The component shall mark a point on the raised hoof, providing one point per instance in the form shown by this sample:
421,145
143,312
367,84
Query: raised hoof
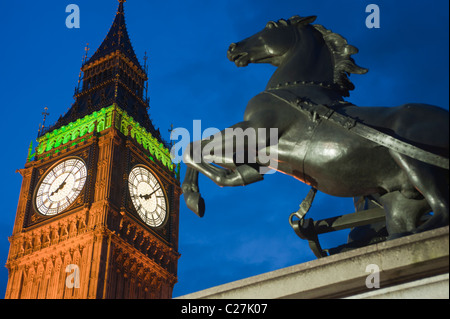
195,203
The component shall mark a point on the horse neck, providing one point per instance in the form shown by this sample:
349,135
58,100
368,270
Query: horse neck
306,65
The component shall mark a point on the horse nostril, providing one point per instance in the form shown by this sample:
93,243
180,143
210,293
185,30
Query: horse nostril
232,47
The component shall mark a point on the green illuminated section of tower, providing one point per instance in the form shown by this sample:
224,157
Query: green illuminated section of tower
72,133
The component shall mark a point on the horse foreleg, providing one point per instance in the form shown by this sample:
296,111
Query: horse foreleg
191,192
214,150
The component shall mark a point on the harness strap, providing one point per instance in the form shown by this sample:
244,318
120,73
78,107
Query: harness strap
367,132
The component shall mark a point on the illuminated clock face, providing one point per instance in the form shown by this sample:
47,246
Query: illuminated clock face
60,186
148,196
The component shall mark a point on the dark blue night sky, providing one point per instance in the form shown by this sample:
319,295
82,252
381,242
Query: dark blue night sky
245,230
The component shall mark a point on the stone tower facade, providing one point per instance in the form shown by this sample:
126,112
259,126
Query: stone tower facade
98,210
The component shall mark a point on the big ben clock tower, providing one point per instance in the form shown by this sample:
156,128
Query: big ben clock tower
98,209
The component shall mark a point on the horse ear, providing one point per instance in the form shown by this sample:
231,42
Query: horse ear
310,19
303,20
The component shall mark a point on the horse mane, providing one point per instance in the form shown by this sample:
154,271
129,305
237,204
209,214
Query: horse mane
343,63
341,52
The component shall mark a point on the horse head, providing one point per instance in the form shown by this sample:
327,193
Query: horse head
270,45
302,52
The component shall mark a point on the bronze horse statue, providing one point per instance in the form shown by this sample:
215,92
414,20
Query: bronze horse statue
409,176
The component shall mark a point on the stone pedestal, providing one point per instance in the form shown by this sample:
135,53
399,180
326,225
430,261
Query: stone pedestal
415,266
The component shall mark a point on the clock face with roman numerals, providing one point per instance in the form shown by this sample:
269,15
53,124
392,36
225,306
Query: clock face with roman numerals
60,186
147,196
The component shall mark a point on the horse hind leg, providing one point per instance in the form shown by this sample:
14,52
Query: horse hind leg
432,183
403,214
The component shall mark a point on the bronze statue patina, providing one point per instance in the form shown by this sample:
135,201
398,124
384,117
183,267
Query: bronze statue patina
397,156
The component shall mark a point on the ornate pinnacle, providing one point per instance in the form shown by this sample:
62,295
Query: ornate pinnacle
120,9
45,113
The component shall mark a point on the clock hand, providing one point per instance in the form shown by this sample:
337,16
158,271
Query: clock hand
148,196
144,196
64,182
59,188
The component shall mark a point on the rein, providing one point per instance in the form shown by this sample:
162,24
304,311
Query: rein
320,111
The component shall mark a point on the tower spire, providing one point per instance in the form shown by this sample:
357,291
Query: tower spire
116,39
113,75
